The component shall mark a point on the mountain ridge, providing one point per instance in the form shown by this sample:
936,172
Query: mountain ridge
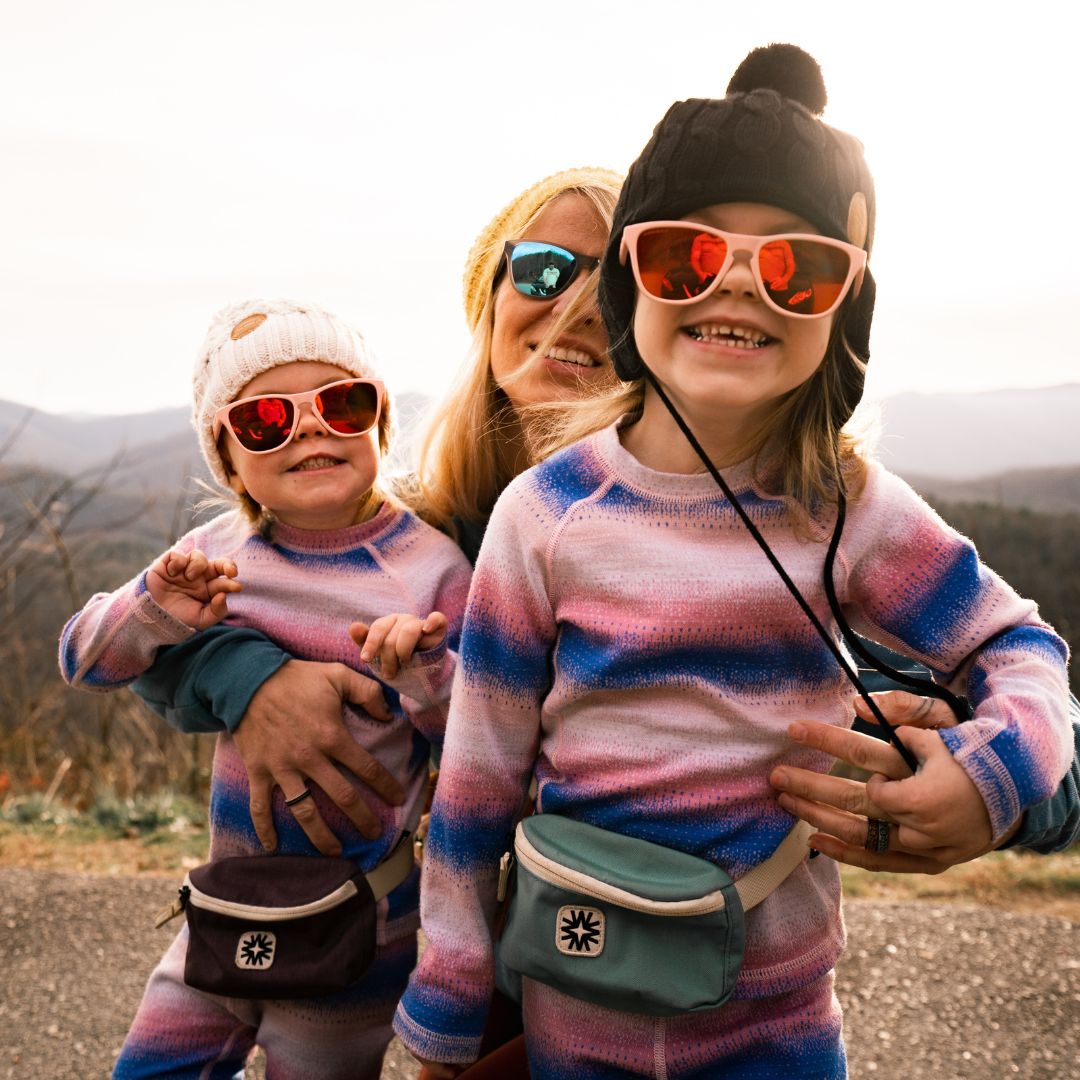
1013,447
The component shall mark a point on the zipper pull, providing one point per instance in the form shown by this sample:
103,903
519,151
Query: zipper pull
174,909
506,864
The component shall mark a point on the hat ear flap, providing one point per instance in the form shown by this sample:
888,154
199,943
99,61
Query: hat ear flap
617,294
857,319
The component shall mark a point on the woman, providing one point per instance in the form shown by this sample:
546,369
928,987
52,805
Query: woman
528,348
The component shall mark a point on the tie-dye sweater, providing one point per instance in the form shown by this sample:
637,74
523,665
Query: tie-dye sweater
628,642
303,590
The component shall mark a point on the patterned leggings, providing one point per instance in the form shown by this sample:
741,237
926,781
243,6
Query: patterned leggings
794,1036
183,1034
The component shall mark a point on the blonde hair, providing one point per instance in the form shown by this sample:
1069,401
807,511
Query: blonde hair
472,445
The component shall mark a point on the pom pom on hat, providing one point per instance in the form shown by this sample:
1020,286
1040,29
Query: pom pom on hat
252,336
787,69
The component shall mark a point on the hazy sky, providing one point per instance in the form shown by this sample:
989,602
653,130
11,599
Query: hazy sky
158,161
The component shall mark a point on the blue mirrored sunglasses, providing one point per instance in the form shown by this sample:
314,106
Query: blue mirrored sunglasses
542,271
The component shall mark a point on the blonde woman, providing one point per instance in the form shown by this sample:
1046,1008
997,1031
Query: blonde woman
528,347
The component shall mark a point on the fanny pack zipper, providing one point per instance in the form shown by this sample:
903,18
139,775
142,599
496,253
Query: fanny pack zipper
555,873
254,913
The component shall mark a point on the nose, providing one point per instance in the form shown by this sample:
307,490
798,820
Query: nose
306,424
739,280
588,315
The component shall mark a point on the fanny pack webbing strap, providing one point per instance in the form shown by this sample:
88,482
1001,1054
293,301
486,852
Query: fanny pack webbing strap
392,871
754,886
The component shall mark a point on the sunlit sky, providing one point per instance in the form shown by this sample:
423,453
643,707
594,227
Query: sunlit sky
158,161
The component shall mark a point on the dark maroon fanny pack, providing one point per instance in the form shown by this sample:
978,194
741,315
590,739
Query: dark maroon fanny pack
283,926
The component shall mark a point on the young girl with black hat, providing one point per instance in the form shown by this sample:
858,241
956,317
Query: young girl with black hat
643,627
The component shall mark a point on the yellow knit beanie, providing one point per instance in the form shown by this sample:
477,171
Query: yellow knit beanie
486,254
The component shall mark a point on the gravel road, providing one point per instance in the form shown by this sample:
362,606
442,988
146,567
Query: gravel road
948,993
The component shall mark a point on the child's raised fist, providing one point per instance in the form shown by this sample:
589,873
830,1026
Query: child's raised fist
192,587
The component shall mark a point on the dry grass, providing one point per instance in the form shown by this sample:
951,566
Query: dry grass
87,850
1008,880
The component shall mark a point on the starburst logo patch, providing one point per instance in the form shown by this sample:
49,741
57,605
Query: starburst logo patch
255,950
579,931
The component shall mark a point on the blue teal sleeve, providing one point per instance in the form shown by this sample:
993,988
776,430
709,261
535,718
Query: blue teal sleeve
205,684
1054,824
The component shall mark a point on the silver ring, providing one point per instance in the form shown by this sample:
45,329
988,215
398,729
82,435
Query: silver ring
924,708
305,794
877,836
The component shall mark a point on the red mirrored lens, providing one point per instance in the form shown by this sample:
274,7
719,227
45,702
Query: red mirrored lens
803,276
678,264
262,424
349,408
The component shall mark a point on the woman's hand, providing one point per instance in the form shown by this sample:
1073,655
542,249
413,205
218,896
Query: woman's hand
293,732
936,818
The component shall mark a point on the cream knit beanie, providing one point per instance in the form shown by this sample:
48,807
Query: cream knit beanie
252,336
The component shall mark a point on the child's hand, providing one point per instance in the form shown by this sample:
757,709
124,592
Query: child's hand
193,588
390,642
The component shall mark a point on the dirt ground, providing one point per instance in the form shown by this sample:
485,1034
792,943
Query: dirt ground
931,991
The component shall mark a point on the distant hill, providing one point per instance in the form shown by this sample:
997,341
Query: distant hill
1048,491
1016,448
964,436
152,450
73,443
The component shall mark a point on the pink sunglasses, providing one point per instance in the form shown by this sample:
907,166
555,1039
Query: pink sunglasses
797,274
266,422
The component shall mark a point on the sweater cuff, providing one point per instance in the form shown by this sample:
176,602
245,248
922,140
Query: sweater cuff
432,1046
989,775
166,627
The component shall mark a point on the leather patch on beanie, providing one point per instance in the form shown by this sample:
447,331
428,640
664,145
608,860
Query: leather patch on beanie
857,220
246,325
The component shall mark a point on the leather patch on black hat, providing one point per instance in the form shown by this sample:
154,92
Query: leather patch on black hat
246,325
857,220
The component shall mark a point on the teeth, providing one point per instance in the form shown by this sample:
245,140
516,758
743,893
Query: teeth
739,337
571,356
315,463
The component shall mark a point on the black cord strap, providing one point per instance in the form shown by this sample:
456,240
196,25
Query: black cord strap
960,706
826,637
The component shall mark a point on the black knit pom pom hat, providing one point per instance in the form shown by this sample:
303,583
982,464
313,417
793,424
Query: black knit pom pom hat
763,143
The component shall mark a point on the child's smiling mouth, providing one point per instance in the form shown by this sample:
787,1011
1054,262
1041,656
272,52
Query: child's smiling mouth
323,461
736,337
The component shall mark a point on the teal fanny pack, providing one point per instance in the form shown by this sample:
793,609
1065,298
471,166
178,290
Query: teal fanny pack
626,923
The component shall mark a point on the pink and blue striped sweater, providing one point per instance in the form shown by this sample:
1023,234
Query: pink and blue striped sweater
303,590
628,642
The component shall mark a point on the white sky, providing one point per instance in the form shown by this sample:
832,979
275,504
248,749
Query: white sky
158,160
